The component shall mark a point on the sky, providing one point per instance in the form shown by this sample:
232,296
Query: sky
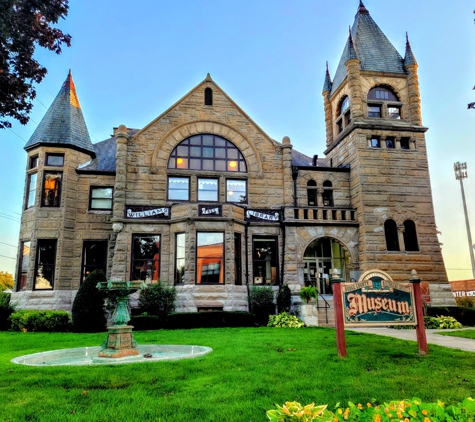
130,64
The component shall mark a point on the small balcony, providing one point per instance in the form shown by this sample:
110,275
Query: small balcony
321,215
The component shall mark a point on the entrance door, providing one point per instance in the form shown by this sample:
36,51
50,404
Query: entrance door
321,257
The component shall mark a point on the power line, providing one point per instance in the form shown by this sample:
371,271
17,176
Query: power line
9,218
16,134
9,257
13,212
8,244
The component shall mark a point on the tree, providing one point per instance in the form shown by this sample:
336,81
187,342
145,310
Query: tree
6,280
24,24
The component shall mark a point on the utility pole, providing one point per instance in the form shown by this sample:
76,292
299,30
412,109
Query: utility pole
460,174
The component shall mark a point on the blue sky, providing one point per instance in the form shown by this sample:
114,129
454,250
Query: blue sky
130,64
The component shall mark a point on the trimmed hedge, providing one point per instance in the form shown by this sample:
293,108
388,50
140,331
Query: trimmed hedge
6,309
145,322
212,319
41,321
466,316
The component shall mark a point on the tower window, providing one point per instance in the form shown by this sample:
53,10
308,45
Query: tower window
390,232
390,142
374,111
208,96
55,160
382,93
404,143
410,236
52,190
375,143
394,112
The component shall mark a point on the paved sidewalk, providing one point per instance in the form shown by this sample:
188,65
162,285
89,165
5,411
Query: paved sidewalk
432,337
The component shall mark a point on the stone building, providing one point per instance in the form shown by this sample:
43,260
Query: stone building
203,199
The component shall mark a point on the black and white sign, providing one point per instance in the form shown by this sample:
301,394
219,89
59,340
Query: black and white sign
151,213
210,210
263,215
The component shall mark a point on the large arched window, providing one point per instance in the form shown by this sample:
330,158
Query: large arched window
390,231
379,103
344,114
207,152
410,236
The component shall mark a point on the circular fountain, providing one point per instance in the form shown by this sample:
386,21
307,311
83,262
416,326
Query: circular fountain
119,346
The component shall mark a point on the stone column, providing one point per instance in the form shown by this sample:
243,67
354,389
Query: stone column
119,267
400,234
328,117
354,85
414,95
287,172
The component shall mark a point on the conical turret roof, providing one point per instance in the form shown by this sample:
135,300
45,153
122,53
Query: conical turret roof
372,47
327,85
63,124
409,57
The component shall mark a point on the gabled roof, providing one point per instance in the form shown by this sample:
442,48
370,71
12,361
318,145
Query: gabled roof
372,48
63,124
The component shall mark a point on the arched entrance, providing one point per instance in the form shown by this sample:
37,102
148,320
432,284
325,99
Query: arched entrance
321,256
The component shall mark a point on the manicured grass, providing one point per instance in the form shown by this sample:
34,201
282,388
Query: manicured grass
249,371
461,333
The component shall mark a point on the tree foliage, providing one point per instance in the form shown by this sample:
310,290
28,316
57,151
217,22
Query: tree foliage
24,24
6,280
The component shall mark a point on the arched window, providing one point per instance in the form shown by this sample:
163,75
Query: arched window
207,152
344,113
327,194
410,236
208,96
312,192
390,231
380,95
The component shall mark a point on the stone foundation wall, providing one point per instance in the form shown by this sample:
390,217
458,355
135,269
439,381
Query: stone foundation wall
44,300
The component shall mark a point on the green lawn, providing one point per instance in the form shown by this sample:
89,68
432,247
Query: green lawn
461,333
249,371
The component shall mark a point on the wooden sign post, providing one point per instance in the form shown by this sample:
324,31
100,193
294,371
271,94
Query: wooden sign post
339,324
420,327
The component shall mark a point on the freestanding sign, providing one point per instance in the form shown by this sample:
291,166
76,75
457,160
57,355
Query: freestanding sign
376,300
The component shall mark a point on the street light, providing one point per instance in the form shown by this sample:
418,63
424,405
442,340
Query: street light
460,174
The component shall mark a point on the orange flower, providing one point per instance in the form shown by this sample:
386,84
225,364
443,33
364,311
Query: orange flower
426,420
360,406
368,404
424,412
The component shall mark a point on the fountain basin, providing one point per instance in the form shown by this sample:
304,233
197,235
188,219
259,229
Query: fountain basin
89,355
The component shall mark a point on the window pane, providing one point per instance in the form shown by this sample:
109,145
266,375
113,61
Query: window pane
195,152
220,153
374,111
232,153
46,258
52,190
94,257
181,163
236,190
208,165
31,190
210,257
101,193
220,142
207,189
394,112
220,165
264,258
101,204
54,160
146,258
195,140
178,188
208,152
182,150
208,140
180,258
375,143
24,265
195,164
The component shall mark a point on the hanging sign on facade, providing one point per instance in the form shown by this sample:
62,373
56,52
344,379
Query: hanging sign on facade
377,300
210,210
263,215
147,212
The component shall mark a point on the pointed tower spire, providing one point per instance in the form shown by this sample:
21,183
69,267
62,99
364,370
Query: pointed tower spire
351,48
409,56
327,85
362,10
63,124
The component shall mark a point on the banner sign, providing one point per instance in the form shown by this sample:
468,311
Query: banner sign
210,210
144,212
378,301
263,215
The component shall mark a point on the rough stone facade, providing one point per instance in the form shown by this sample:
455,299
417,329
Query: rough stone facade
299,218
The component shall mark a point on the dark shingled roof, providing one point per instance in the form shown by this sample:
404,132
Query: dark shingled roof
327,85
63,123
409,56
372,47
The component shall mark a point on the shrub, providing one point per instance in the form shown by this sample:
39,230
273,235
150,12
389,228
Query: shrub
40,321
158,300
212,319
465,302
414,410
284,320
6,309
309,292
145,322
261,301
466,316
284,299
442,322
88,314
